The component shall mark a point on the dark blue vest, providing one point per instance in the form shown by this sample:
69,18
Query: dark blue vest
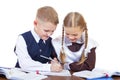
35,50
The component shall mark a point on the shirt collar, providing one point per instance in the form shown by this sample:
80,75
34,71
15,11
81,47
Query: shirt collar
35,35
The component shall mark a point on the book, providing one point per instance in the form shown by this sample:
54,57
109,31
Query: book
102,78
96,74
62,73
18,74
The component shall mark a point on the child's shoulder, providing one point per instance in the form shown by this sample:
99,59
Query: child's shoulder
57,39
92,42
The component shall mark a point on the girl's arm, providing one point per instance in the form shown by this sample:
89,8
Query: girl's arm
89,64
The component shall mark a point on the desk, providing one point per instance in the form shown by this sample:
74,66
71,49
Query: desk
61,78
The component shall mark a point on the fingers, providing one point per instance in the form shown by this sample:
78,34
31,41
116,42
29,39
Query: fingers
54,60
56,67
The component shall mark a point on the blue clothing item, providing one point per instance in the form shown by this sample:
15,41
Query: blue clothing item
36,49
102,78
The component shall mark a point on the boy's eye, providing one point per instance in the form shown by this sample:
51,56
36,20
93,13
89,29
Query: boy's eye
46,30
67,34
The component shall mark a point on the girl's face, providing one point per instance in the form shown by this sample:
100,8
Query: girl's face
73,33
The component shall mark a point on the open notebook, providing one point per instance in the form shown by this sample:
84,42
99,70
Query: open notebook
18,74
62,73
96,74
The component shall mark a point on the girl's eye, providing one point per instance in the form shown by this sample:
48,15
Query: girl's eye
74,34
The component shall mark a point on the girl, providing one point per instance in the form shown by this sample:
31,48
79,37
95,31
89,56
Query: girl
74,49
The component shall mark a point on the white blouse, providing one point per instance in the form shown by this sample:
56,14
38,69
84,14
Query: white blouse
72,56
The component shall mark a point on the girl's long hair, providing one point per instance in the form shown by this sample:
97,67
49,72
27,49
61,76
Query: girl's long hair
74,19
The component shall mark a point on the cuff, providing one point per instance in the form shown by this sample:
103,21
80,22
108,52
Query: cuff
66,66
47,67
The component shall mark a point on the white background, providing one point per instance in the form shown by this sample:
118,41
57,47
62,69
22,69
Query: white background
102,17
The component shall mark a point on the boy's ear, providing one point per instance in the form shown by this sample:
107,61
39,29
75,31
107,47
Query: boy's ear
35,22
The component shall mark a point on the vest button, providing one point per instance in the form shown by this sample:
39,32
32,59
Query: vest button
40,50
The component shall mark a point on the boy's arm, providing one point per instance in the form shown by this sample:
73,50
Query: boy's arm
24,59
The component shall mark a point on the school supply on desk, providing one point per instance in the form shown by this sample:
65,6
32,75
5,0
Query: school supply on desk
96,74
89,74
18,74
46,58
103,78
62,73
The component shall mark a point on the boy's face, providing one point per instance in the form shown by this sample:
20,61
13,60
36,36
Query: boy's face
45,29
73,33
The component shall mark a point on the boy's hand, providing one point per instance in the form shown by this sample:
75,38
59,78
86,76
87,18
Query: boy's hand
56,66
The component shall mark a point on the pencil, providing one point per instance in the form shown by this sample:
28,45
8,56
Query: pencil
46,57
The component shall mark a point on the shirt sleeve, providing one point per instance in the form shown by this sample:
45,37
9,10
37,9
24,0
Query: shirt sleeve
24,59
89,64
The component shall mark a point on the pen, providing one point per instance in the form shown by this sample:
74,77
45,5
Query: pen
106,75
46,57
37,72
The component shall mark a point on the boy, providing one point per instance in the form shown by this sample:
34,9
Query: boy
32,44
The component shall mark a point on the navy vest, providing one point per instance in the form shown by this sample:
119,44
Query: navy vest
35,50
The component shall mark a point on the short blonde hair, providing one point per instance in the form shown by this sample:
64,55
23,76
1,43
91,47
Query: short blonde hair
48,14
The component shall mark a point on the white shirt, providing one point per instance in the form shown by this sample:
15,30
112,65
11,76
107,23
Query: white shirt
25,61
